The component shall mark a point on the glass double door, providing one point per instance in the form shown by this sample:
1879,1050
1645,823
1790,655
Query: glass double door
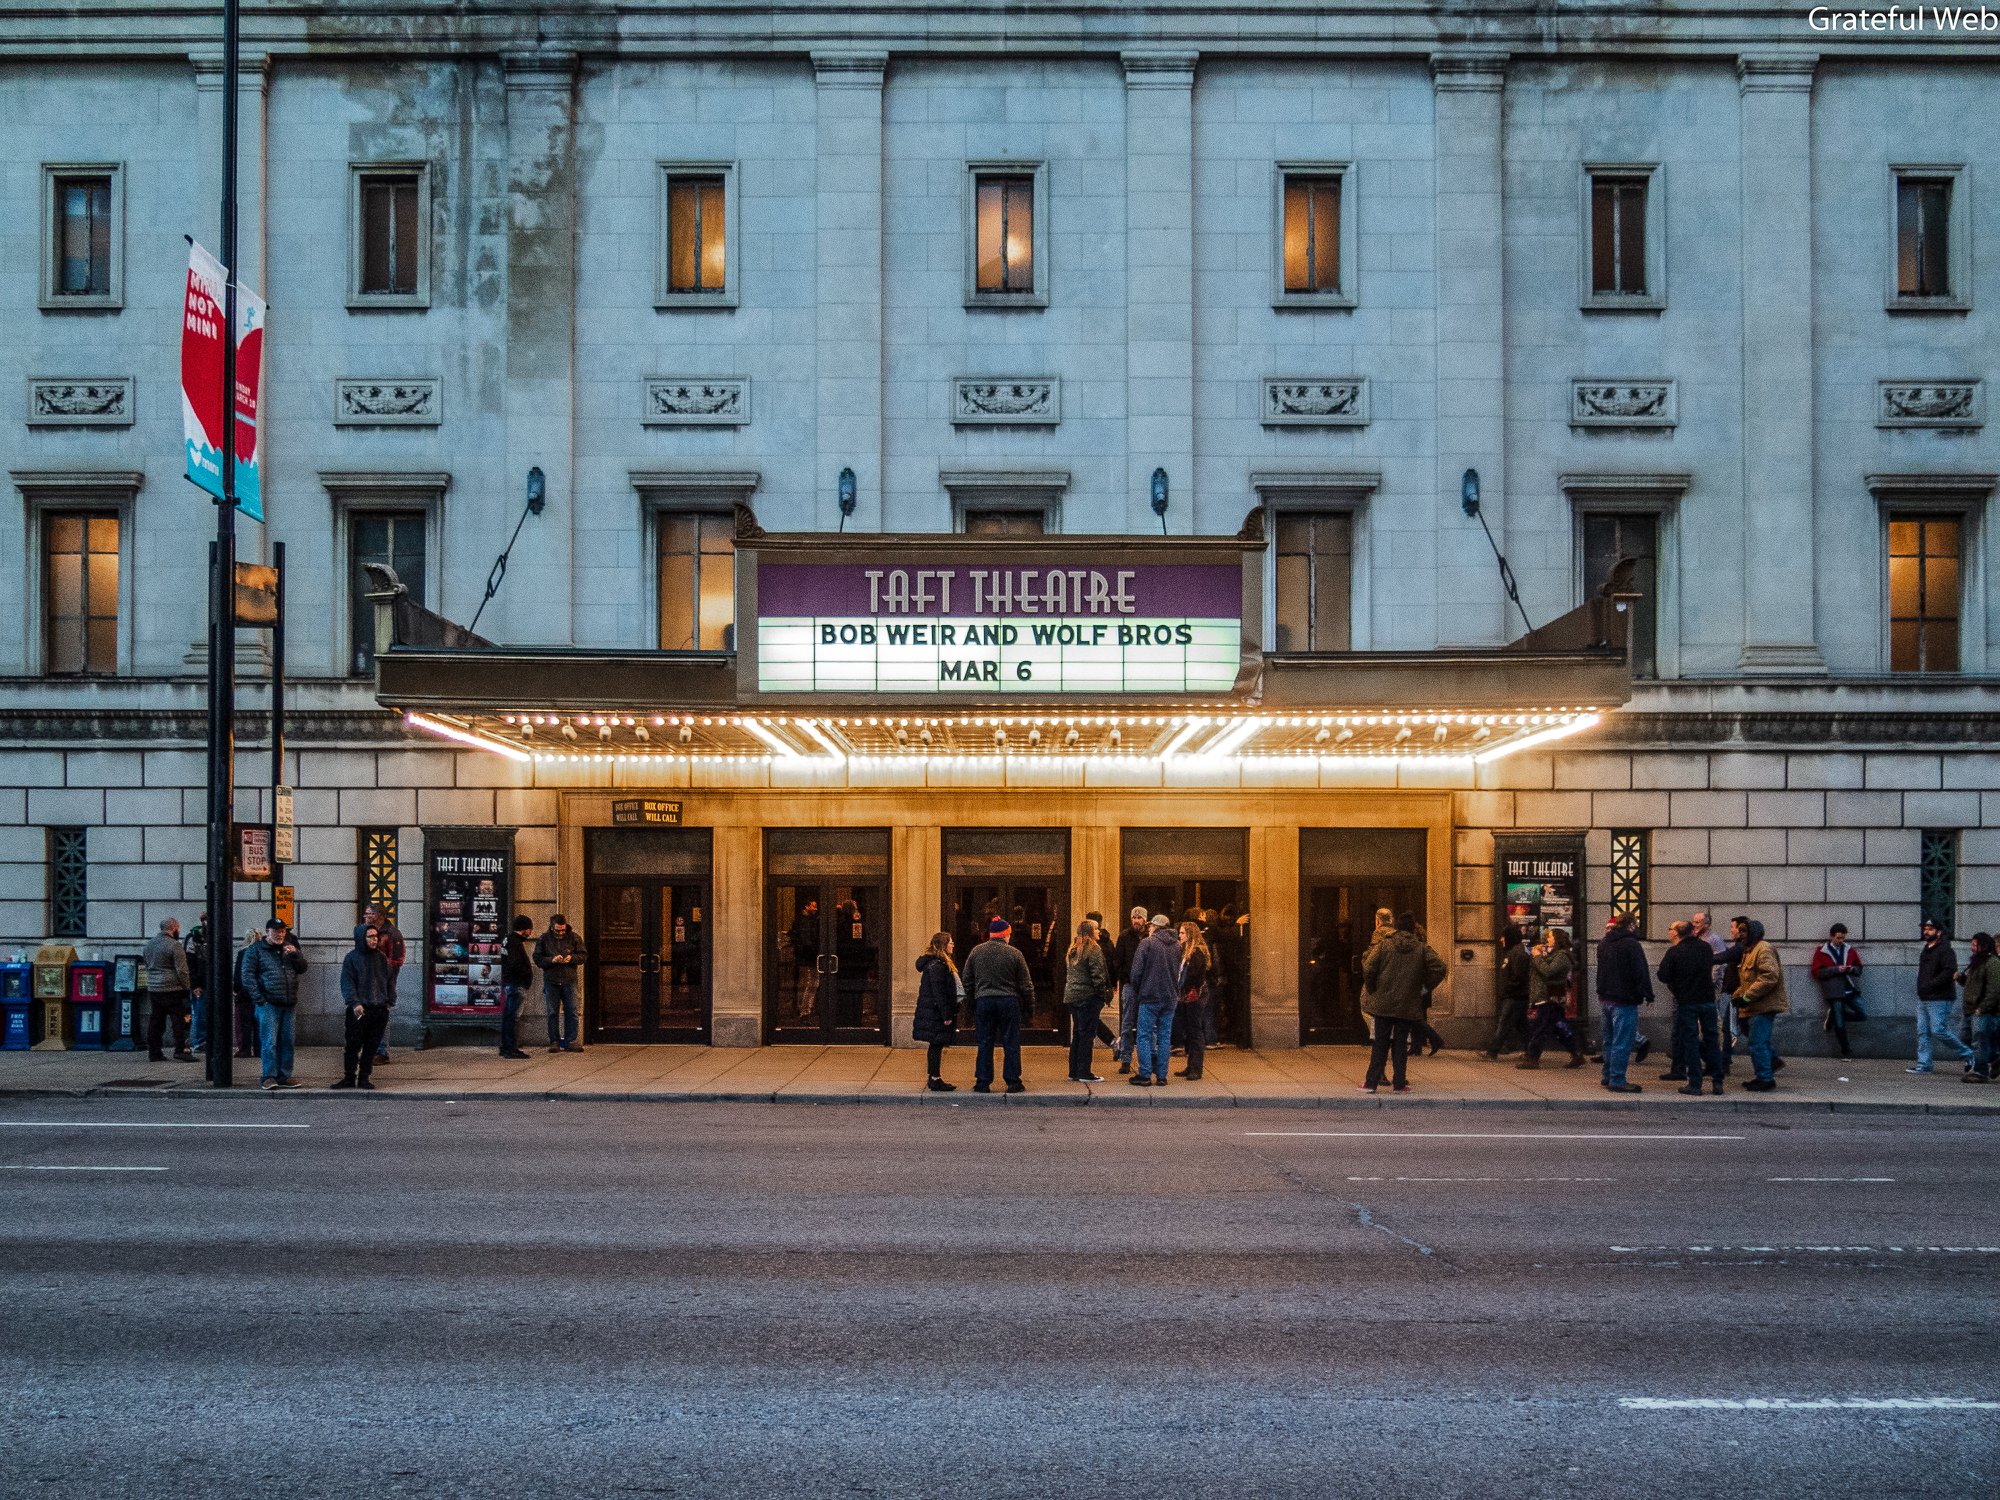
648,964
1345,877
825,946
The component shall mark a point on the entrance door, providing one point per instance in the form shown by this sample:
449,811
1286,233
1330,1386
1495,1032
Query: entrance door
826,935
1023,876
1345,876
1198,875
646,924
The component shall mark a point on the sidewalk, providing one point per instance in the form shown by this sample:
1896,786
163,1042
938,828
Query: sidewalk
1310,1077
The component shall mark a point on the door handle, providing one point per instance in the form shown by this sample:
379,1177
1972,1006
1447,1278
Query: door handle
827,963
649,963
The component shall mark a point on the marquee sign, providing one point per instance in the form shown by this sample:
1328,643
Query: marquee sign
1050,625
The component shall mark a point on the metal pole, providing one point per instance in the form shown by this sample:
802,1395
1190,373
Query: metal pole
277,706
222,623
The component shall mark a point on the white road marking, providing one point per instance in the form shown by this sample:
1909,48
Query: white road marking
1829,1179
12,1168
1482,1179
140,1125
1804,1249
1451,1135
1819,1403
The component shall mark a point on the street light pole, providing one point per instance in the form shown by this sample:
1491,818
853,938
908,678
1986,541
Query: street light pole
222,614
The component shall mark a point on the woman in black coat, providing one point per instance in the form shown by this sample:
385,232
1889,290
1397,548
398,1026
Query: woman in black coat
938,997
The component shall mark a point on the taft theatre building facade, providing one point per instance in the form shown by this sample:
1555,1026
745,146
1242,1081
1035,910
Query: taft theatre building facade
1017,463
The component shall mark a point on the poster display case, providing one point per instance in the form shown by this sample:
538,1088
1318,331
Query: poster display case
1539,887
468,906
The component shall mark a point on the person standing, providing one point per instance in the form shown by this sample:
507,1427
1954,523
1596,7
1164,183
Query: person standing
1512,1014
517,976
559,954
196,944
1549,969
1197,997
1086,989
1110,951
167,984
1156,967
1401,972
271,970
996,977
1835,963
1688,972
1760,999
1624,983
1126,950
939,996
390,942
1936,964
247,1029
364,995
1982,1006
1725,986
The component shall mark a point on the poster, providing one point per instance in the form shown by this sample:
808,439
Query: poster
465,929
1541,891
201,381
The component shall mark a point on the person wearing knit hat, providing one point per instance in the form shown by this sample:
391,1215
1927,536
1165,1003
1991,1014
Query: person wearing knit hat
998,984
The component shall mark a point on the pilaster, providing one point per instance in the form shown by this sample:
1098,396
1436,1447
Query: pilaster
1159,272
848,276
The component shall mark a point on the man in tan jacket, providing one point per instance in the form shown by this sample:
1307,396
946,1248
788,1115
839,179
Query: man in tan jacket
1760,1000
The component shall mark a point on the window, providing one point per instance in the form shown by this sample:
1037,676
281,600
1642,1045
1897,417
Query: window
79,593
1924,593
697,251
375,877
1315,579
82,264
1315,240
1008,238
697,582
391,254
1937,876
1628,873
1004,523
68,882
1607,540
392,538
1622,240
1930,239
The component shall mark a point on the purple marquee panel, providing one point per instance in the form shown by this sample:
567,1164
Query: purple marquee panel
1207,591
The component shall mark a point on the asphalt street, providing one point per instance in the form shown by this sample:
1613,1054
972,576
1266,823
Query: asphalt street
333,1296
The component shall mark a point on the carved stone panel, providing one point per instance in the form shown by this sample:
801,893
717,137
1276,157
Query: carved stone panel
1006,400
408,402
696,401
86,401
1930,403
1623,403
1322,401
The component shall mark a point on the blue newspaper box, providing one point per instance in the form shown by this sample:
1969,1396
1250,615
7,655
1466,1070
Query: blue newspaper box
121,1016
17,1007
89,998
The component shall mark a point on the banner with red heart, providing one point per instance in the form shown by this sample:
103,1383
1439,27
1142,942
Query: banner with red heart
201,382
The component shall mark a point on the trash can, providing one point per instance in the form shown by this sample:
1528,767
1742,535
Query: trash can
17,1006
51,981
89,998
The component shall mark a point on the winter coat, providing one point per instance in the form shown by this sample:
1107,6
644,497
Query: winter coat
1935,967
559,955
1126,949
1548,976
997,968
1156,969
1088,980
937,1000
1194,979
517,968
271,974
1982,986
364,977
166,964
1761,989
1623,976
1514,975
1688,972
1400,971
1827,970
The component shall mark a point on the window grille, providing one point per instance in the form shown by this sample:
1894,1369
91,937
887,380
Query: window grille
377,875
1628,873
69,882
1937,874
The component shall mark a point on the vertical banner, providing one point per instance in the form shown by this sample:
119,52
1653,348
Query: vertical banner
201,382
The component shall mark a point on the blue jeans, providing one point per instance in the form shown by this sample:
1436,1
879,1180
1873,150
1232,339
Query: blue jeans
510,1018
1763,1051
198,1028
560,998
1156,1039
1985,1042
1621,1029
1934,1020
1695,1049
274,1040
1725,1023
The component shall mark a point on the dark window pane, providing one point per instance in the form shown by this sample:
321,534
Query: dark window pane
391,539
1936,200
1602,237
1618,235
1632,238
391,237
678,590
83,236
1314,583
1608,540
405,236
1332,578
1003,523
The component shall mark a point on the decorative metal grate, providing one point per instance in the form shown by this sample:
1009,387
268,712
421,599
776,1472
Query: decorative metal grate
69,883
1937,873
1628,873
377,874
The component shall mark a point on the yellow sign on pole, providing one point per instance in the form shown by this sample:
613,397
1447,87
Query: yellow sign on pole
283,907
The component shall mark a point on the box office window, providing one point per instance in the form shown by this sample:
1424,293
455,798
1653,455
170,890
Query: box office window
697,570
79,593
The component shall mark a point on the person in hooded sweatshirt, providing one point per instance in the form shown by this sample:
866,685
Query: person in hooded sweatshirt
939,995
1688,972
1401,971
1760,1000
1155,981
365,996
1624,983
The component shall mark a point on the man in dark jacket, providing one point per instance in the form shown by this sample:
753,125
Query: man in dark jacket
364,997
1127,949
1936,964
1624,983
1398,978
998,984
1156,994
1688,972
1512,1015
167,982
517,973
559,954
271,971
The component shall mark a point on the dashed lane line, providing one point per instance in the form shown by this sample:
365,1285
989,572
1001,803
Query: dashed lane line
1472,1135
8,1167
1804,1249
1829,1179
144,1125
1482,1179
1816,1403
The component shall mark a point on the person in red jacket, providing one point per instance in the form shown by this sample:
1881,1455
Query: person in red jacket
1836,969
